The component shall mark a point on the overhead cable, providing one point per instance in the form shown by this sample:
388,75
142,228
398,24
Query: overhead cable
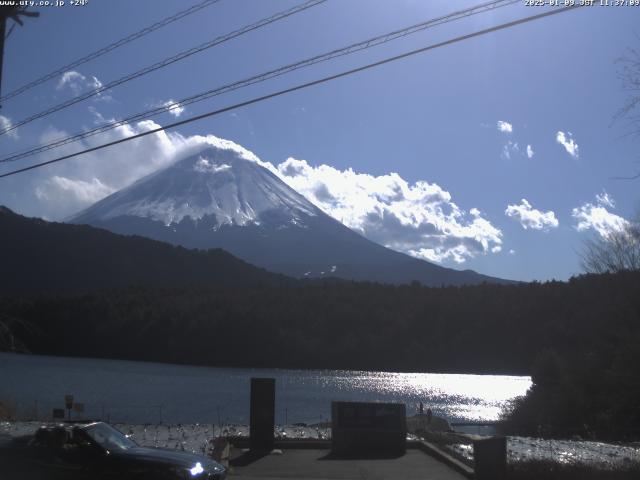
112,46
353,48
163,63
458,39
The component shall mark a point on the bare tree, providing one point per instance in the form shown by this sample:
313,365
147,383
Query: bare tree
629,74
617,251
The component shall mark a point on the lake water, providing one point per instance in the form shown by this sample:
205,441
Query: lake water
143,392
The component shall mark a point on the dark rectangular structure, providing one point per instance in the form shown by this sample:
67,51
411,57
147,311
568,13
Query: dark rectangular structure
368,429
262,414
490,458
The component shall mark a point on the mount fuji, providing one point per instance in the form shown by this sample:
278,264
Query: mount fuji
218,198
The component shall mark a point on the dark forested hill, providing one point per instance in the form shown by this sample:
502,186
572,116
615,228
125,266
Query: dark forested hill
39,256
487,328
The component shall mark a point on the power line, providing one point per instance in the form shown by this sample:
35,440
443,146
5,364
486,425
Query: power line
123,41
356,47
168,61
458,39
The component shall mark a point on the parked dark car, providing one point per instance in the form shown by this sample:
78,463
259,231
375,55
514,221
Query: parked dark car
99,451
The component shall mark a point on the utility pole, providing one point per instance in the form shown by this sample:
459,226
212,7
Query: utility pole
3,29
14,13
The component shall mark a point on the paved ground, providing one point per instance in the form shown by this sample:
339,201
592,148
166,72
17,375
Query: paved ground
290,464
315,464
12,463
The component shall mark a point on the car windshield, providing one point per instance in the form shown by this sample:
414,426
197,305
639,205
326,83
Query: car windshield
108,437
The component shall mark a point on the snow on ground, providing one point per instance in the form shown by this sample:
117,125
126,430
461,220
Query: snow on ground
193,438
199,437
606,455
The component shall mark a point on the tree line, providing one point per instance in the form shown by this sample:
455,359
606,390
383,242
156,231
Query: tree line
580,340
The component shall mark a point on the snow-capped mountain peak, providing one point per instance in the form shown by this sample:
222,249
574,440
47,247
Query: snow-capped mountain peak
216,183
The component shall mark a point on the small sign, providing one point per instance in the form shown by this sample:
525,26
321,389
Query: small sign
68,401
78,407
58,413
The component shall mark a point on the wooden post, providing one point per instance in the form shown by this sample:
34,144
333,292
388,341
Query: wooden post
262,414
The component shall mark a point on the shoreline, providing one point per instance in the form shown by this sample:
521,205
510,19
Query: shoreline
262,368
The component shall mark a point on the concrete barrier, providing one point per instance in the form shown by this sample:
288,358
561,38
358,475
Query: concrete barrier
490,458
368,429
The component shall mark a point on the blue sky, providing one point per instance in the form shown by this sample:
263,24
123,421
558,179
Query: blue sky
433,120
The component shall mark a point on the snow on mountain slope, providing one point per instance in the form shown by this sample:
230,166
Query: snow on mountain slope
214,182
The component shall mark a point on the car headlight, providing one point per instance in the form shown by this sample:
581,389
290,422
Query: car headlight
196,469
199,471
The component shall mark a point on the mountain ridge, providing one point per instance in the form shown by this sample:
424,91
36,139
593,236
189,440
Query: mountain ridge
41,256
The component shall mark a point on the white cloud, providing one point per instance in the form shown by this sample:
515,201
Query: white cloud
569,144
74,191
605,200
505,127
203,165
94,83
67,187
78,83
176,109
419,219
530,152
530,218
5,122
510,148
596,216
512,252
71,79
